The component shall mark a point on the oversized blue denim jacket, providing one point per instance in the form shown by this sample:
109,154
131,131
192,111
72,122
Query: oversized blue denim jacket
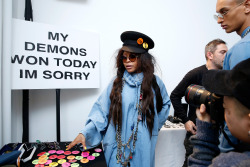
98,129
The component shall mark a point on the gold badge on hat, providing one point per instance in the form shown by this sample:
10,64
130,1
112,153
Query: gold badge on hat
145,45
139,41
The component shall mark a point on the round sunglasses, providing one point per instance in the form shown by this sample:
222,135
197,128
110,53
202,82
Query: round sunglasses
132,57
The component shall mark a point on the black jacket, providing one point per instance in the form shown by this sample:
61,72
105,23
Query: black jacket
192,77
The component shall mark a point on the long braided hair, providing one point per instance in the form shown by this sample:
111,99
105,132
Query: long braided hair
146,64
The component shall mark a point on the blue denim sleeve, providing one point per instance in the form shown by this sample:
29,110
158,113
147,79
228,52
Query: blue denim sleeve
97,119
163,114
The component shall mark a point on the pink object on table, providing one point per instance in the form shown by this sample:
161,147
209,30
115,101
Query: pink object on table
90,157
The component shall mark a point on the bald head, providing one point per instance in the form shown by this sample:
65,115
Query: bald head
234,15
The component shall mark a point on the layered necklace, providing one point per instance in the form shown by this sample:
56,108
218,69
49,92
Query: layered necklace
120,156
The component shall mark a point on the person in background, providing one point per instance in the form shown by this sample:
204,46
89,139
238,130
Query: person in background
214,53
127,116
234,16
233,87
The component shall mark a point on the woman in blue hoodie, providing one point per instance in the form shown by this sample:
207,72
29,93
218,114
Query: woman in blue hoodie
130,112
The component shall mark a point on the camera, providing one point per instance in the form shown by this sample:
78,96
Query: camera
196,95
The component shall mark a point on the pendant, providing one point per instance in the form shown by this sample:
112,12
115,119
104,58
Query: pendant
125,163
132,127
117,156
130,155
139,117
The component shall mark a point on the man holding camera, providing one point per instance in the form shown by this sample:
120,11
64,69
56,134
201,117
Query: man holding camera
215,52
233,87
234,15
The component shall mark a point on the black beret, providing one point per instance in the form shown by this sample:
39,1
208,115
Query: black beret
136,42
233,82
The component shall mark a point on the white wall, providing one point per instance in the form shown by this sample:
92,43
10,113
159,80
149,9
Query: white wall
180,29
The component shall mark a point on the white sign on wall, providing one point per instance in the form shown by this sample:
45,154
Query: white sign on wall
50,57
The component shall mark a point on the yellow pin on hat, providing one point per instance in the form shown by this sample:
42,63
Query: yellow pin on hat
145,45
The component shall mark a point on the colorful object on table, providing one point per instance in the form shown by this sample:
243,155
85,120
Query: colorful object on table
48,162
53,157
53,164
42,157
42,161
84,160
98,150
74,165
96,154
85,154
40,154
90,157
46,154
75,152
52,151
60,152
71,157
60,156
39,165
67,152
61,161
78,157
35,162
66,164
72,160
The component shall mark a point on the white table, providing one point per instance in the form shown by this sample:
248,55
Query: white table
170,151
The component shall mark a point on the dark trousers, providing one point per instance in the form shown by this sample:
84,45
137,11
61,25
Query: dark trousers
189,148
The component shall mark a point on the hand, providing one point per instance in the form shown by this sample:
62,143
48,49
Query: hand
202,114
190,127
79,139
